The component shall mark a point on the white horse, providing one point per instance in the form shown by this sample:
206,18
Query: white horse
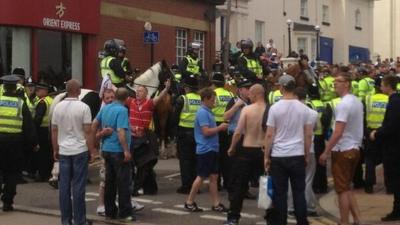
149,79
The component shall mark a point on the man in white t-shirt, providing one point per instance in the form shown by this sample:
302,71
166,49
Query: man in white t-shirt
71,138
287,147
344,144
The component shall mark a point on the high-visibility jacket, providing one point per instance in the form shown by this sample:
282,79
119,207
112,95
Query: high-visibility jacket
375,109
333,103
221,101
318,106
193,65
107,71
254,65
398,87
192,103
366,86
124,64
48,101
274,96
327,90
11,114
354,87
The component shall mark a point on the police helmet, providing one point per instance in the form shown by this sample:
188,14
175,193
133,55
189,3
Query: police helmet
29,82
378,80
121,45
248,43
218,77
111,47
191,81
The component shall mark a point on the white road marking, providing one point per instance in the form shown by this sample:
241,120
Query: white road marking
170,211
323,220
212,217
250,216
143,200
89,199
92,194
173,175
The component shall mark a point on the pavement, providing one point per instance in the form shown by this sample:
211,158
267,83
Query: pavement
37,204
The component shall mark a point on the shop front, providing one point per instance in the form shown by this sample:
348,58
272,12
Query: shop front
53,40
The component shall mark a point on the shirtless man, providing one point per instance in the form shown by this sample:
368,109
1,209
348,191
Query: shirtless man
248,153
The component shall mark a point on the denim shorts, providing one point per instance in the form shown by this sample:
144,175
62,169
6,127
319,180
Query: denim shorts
207,164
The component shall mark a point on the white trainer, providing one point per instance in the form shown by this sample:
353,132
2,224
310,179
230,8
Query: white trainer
136,206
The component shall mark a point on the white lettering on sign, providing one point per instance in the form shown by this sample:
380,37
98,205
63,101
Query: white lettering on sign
61,24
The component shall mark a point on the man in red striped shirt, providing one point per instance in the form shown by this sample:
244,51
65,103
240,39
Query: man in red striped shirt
144,158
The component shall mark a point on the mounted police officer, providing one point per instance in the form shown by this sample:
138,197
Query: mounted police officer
110,66
222,99
125,64
191,63
185,112
16,128
248,63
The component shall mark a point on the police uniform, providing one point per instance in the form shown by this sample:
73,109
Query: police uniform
42,159
250,67
223,97
16,129
274,96
190,65
366,86
327,90
185,113
375,108
110,66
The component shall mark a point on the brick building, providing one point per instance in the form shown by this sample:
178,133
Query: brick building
59,39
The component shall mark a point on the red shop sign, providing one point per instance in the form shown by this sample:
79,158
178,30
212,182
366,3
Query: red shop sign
81,16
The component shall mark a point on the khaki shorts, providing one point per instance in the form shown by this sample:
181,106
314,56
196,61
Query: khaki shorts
343,168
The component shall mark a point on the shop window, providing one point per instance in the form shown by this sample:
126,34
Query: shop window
54,57
199,37
181,44
5,50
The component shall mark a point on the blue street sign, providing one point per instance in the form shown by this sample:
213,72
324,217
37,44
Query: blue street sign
151,37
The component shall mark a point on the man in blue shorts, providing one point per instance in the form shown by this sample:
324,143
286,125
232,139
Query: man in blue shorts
206,136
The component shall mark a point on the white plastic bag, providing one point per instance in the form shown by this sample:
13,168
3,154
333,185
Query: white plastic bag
265,192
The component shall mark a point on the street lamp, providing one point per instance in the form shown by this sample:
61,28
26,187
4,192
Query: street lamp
289,23
147,28
317,29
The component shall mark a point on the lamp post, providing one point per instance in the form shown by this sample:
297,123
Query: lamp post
289,23
317,29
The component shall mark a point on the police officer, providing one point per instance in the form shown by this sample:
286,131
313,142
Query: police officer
191,63
366,86
110,66
375,108
274,96
185,112
221,101
125,64
248,63
16,125
327,90
43,159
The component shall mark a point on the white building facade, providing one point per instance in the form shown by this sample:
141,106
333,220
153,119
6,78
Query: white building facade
387,29
346,26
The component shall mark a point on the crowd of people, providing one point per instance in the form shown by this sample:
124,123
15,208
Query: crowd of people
268,122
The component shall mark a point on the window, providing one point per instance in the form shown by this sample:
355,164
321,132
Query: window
5,50
358,19
325,14
302,45
304,8
199,37
259,31
181,44
314,48
55,61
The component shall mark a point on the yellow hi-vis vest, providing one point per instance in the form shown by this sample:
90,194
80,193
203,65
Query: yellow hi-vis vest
333,103
327,90
398,87
107,71
48,101
318,106
192,102
221,101
274,96
254,65
354,87
11,114
375,109
193,65
366,87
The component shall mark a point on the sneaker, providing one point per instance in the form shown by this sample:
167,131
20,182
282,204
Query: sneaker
7,207
219,208
53,183
128,219
101,210
136,206
232,222
193,207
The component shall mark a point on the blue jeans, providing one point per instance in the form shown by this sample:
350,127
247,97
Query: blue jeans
283,169
73,175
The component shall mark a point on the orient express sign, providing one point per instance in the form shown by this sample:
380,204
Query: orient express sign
69,15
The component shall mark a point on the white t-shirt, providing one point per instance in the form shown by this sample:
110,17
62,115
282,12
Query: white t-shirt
350,111
69,116
289,118
312,119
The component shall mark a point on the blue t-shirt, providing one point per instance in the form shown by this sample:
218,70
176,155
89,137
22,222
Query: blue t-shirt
204,144
114,115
